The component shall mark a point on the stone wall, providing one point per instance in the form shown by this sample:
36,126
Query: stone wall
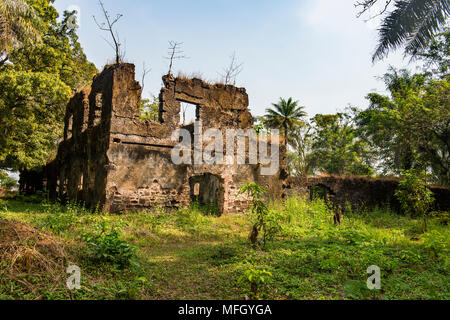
361,191
111,158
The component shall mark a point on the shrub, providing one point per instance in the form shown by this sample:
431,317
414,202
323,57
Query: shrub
414,196
107,246
209,209
191,220
264,220
255,280
57,222
436,243
58,218
3,206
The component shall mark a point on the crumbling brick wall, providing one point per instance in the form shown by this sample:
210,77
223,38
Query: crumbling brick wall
361,191
111,158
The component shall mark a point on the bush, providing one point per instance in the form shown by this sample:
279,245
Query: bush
208,209
256,281
436,243
58,218
57,222
263,219
3,206
191,220
107,246
414,196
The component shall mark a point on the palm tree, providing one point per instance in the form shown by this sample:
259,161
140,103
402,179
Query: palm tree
285,116
18,23
413,23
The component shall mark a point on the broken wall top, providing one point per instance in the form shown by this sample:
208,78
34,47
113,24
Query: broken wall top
113,103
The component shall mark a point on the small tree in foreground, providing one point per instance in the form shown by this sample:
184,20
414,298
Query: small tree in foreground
414,196
257,281
263,220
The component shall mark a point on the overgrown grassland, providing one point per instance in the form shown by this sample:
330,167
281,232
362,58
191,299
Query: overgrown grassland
186,255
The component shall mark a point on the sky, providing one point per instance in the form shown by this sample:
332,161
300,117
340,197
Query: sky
315,51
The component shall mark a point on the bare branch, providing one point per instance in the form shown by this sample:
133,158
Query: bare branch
366,5
144,74
174,53
108,26
122,48
232,71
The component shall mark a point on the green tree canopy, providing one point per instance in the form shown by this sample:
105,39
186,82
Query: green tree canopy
410,129
35,87
336,148
285,115
59,52
19,24
32,106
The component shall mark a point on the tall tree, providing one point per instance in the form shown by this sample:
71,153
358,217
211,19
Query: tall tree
336,147
32,106
410,128
59,52
297,157
411,23
436,56
19,23
35,88
285,115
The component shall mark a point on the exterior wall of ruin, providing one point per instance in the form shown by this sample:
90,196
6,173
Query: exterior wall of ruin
361,191
142,174
80,170
111,158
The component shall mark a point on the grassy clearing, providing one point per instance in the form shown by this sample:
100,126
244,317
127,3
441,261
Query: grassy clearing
186,255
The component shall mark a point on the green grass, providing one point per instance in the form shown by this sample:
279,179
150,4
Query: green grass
187,255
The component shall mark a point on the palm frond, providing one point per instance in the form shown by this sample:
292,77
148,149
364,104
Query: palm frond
436,16
398,26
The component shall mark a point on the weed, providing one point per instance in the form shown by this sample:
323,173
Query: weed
107,246
185,254
263,219
255,281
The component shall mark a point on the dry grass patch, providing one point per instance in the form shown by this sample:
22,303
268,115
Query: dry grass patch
28,256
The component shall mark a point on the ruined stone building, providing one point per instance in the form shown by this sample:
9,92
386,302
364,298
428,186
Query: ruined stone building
111,158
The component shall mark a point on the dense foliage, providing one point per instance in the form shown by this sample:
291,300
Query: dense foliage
6,182
187,255
35,85
408,23
336,148
414,196
407,129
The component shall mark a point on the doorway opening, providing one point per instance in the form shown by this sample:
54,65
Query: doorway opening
320,191
207,193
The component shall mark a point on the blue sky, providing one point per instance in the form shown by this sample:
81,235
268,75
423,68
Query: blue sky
315,51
